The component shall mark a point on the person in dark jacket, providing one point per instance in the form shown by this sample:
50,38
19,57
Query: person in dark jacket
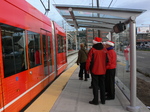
82,56
96,65
111,70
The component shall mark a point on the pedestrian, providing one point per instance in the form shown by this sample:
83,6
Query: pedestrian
127,57
81,60
96,65
90,87
111,70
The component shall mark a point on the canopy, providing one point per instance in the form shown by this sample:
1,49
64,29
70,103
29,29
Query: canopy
101,18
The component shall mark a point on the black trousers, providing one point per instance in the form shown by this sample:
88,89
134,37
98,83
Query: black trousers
110,83
98,81
82,69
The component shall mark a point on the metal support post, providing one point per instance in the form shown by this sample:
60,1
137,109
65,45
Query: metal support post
133,97
98,15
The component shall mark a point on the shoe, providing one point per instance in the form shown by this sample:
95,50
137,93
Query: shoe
90,87
102,102
127,71
109,98
80,78
92,102
86,79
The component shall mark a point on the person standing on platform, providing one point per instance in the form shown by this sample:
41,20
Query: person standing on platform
91,74
96,65
111,71
81,60
127,57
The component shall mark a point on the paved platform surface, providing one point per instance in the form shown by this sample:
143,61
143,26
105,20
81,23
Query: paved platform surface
69,94
76,95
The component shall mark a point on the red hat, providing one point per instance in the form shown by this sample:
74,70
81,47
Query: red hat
110,43
97,40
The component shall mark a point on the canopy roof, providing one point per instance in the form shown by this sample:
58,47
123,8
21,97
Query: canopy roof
102,18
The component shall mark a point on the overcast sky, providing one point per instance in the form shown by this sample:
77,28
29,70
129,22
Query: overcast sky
133,4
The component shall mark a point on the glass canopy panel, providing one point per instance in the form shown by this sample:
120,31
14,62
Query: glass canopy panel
84,20
64,12
87,14
111,17
105,12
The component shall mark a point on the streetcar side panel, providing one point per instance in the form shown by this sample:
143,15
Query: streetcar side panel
19,21
60,49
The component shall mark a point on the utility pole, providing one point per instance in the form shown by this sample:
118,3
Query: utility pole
98,16
92,16
48,7
98,6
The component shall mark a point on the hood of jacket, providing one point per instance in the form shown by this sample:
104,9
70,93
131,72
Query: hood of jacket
98,46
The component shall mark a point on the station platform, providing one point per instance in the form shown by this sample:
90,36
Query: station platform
69,94
76,95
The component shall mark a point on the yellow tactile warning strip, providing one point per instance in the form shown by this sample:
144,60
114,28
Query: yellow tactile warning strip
121,63
45,102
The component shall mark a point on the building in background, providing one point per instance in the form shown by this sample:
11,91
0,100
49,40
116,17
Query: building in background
143,29
91,33
121,40
143,37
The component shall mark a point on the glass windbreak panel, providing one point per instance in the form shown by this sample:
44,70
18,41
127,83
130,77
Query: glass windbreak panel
123,61
14,50
143,42
70,43
34,49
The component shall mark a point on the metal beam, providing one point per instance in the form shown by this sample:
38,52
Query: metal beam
73,18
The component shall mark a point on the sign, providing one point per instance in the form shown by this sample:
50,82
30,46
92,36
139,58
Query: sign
143,29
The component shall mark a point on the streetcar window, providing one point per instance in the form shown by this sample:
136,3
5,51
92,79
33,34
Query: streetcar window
49,54
14,50
44,50
61,44
34,49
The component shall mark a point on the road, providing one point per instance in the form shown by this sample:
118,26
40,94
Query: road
143,61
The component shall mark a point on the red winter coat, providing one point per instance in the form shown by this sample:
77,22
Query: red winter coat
98,54
127,53
112,57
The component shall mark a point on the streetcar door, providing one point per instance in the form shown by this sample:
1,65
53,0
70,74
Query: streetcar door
46,52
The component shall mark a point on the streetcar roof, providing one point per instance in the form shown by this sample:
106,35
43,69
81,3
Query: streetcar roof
101,18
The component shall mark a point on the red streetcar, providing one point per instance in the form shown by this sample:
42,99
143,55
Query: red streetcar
32,53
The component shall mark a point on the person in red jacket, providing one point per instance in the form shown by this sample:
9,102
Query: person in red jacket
127,58
96,65
111,70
